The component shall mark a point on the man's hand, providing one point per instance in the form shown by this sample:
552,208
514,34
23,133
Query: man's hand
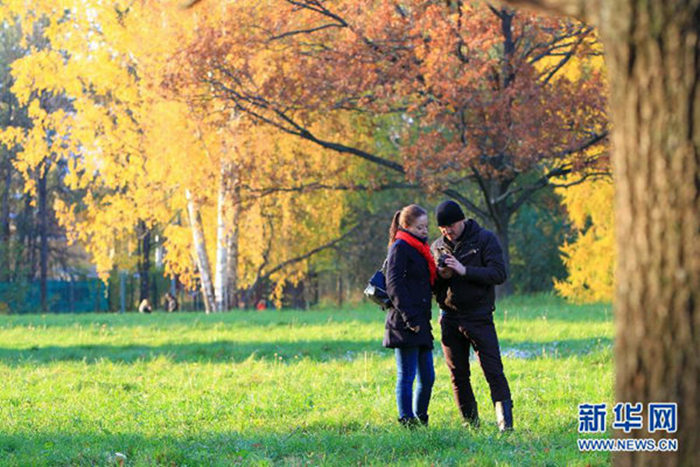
452,263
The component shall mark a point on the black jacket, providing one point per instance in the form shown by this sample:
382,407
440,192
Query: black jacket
474,293
408,286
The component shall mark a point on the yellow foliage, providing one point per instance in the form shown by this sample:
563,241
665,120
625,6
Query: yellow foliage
135,147
590,259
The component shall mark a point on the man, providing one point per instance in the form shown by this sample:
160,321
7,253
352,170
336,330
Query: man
470,265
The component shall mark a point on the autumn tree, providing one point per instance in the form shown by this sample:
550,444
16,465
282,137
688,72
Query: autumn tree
590,258
468,93
12,114
36,132
150,157
652,50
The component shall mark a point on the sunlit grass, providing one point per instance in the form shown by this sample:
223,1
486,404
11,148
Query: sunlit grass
285,387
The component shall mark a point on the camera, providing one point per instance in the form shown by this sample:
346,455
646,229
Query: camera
443,256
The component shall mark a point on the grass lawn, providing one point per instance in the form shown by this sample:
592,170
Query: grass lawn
285,387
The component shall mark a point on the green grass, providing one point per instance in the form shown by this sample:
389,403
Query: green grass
284,387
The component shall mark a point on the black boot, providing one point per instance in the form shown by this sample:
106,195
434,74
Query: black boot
470,414
408,422
423,419
504,415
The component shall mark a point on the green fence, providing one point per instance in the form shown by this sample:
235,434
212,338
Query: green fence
62,296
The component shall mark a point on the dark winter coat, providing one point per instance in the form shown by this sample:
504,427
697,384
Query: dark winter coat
408,286
473,294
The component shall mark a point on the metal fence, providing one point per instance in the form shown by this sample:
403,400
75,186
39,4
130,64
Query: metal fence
62,296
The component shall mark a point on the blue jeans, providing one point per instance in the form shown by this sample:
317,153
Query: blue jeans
414,404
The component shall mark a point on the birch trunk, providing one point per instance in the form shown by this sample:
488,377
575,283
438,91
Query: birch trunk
201,253
220,279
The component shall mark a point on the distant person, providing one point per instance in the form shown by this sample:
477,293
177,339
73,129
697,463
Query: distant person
410,273
470,264
261,305
145,306
171,303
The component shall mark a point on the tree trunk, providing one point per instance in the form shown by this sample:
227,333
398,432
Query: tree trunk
653,56
500,214
232,248
144,263
25,227
5,216
340,290
201,253
43,234
220,279
503,235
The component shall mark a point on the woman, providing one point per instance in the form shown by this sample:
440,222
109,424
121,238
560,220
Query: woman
410,273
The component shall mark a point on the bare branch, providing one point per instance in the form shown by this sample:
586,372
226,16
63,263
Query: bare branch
560,171
583,178
306,255
317,186
585,10
454,194
305,31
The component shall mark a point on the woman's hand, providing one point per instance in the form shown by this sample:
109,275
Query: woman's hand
415,328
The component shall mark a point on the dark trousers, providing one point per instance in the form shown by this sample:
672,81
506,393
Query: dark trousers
458,334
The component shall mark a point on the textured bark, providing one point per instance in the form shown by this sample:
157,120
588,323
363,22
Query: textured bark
653,57
201,253
653,50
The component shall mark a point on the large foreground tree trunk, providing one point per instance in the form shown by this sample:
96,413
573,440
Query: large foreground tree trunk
654,71
654,65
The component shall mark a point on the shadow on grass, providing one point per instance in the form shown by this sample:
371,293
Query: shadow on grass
281,351
527,308
161,320
344,444
217,351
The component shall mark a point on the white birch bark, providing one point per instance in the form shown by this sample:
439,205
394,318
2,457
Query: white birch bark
201,253
220,278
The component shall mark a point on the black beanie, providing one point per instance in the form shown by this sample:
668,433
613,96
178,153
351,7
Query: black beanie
448,212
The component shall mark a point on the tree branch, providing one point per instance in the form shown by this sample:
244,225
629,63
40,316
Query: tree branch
305,31
297,129
318,8
587,11
306,255
454,194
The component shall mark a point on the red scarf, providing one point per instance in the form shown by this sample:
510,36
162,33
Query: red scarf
423,249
